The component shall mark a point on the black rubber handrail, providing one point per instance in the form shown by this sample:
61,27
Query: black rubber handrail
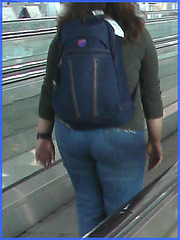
28,33
24,66
164,42
135,209
39,32
39,63
55,18
29,20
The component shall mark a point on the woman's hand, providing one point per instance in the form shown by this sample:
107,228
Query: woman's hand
45,152
154,152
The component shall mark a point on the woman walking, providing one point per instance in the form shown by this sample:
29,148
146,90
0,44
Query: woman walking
106,164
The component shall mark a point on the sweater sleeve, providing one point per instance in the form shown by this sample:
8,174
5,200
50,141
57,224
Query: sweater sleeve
149,80
45,106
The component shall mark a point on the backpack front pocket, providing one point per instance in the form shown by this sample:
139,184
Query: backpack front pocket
88,90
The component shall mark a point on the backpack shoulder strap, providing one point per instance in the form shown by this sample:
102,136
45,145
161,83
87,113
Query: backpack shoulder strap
59,31
118,31
111,38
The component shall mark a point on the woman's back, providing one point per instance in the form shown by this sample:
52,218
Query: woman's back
106,165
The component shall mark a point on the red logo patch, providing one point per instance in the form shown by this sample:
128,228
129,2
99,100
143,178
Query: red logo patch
81,43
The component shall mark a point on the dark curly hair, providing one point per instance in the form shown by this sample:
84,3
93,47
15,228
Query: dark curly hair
123,13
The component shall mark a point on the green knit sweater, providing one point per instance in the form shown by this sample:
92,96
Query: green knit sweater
141,65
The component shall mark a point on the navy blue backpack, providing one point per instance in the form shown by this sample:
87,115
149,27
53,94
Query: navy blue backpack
91,89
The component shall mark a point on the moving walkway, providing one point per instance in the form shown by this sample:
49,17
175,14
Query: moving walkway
151,213
25,183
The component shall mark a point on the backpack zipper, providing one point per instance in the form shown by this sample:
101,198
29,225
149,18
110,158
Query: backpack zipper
95,113
73,90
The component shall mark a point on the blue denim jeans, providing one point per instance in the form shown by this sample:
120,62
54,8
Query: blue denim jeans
106,167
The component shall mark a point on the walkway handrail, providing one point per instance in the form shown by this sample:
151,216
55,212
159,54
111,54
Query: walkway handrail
33,72
127,217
